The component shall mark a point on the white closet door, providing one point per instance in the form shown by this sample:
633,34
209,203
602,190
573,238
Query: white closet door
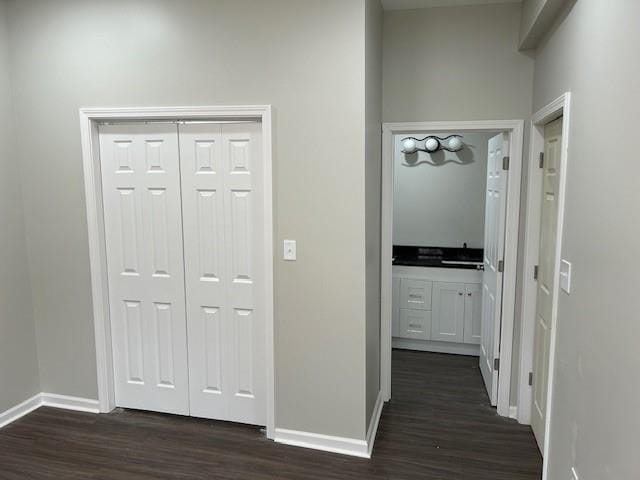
143,231
222,195
494,232
546,277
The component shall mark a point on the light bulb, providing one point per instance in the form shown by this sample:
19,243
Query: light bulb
431,145
409,145
455,143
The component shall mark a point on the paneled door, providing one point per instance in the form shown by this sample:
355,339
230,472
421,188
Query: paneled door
143,232
472,313
546,277
494,233
447,324
222,199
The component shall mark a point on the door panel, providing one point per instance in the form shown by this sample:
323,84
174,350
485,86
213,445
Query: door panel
222,197
546,277
143,233
472,313
395,307
494,233
448,312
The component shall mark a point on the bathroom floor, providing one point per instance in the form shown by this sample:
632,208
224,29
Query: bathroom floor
438,426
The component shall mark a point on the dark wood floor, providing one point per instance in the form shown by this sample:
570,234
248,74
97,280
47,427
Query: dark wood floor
438,426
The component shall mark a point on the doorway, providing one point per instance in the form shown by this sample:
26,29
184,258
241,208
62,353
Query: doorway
450,313
545,276
180,208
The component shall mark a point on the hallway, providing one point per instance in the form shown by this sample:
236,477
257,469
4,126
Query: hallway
438,426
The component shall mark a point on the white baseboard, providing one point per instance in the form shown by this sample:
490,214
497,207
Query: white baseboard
513,412
374,422
48,400
20,410
70,403
329,443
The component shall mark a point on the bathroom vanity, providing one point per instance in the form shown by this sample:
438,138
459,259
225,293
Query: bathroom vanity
437,299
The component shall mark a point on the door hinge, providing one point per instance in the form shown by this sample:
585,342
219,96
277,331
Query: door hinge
535,272
501,266
530,378
496,364
541,163
505,163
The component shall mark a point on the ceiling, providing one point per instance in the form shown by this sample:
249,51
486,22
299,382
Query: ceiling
409,4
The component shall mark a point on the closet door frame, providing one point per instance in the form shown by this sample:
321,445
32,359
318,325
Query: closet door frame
90,118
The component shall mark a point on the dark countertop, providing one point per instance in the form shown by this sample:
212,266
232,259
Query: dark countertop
440,257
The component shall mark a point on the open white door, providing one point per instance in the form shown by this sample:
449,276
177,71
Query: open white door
494,234
546,277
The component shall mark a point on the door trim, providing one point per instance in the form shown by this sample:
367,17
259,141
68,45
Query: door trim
516,130
89,119
561,106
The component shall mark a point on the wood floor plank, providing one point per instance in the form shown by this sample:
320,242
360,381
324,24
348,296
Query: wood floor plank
439,426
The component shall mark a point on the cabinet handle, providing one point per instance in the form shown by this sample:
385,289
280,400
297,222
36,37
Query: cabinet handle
469,294
459,293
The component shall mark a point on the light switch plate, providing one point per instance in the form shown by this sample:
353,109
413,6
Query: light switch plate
289,250
565,276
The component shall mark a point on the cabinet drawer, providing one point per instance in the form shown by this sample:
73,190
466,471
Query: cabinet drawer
415,324
415,294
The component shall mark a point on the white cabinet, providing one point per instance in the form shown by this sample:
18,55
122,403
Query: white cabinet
415,294
472,313
436,309
448,312
415,324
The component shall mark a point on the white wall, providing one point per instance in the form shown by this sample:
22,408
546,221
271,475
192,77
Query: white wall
595,417
305,58
18,361
439,198
373,171
458,63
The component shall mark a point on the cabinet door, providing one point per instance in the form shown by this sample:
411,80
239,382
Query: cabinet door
395,307
448,312
415,324
415,294
472,313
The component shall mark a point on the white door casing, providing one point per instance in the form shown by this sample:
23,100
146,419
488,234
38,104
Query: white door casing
494,236
222,197
546,277
143,234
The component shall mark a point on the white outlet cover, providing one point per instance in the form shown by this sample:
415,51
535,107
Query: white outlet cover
565,276
289,250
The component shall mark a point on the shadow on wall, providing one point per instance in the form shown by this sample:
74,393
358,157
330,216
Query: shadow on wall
439,158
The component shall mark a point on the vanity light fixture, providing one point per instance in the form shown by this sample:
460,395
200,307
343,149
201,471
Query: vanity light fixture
452,143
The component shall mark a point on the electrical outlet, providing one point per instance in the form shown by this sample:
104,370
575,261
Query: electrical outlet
574,474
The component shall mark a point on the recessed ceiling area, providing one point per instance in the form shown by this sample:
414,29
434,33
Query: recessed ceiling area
410,4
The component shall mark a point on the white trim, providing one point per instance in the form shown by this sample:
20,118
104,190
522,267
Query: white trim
48,400
516,130
374,422
89,118
561,106
70,403
20,410
513,412
327,443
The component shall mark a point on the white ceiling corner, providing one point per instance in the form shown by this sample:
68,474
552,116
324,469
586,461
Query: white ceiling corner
411,4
